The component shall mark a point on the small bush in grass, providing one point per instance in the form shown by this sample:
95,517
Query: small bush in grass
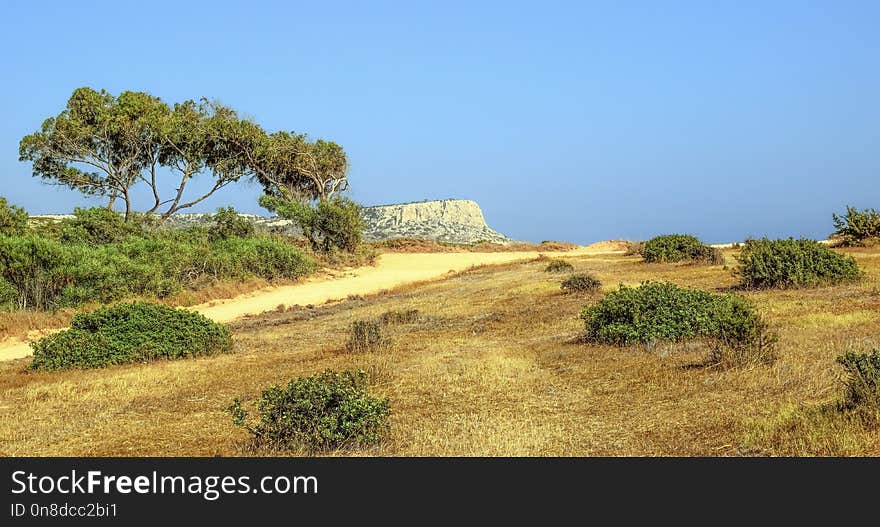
581,283
862,378
559,266
739,334
679,248
326,411
793,263
399,316
134,332
634,248
858,227
661,311
365,336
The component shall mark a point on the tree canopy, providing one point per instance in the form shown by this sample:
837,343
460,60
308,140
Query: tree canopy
104,145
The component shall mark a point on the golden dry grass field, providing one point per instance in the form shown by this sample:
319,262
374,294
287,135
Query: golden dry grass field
493,366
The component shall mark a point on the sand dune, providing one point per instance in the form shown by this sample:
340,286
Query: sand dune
389,271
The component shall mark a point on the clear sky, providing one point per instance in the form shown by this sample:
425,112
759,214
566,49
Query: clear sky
565,120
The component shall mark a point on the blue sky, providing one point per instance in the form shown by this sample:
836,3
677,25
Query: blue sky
565,120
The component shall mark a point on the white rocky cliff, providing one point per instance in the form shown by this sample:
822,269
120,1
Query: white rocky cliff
450,220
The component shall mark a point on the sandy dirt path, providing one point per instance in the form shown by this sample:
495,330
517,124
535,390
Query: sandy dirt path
389,271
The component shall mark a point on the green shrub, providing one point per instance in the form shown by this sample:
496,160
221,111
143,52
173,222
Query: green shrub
13,220
135,332
738,334
862,378
264,257
96,226
326,411
558,266
858,227
581,283
227,223
679,248
334,224
48,273
365,336
793,263
37,268
399,316
661,311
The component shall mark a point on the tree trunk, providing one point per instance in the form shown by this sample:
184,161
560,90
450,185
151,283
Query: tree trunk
127,205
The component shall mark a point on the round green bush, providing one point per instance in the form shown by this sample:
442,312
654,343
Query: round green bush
661,311
580,283
793,263
326,411
135,332
671,248
558,266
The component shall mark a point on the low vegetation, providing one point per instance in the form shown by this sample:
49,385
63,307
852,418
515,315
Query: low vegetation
366,336
331,225
663,312
399,316
495,367
858,228
228,223
581,283
634,248
558,266
326,411
862,379
136,332
98,257
793,263
672,248
13,220
843,427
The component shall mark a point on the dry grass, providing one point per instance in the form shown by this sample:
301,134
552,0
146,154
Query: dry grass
492,366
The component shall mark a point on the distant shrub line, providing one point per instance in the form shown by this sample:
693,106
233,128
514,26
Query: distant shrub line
98,257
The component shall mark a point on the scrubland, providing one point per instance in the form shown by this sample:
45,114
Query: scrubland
489,361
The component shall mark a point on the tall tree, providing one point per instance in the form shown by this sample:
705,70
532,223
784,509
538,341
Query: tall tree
204,137
288,165
99,144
